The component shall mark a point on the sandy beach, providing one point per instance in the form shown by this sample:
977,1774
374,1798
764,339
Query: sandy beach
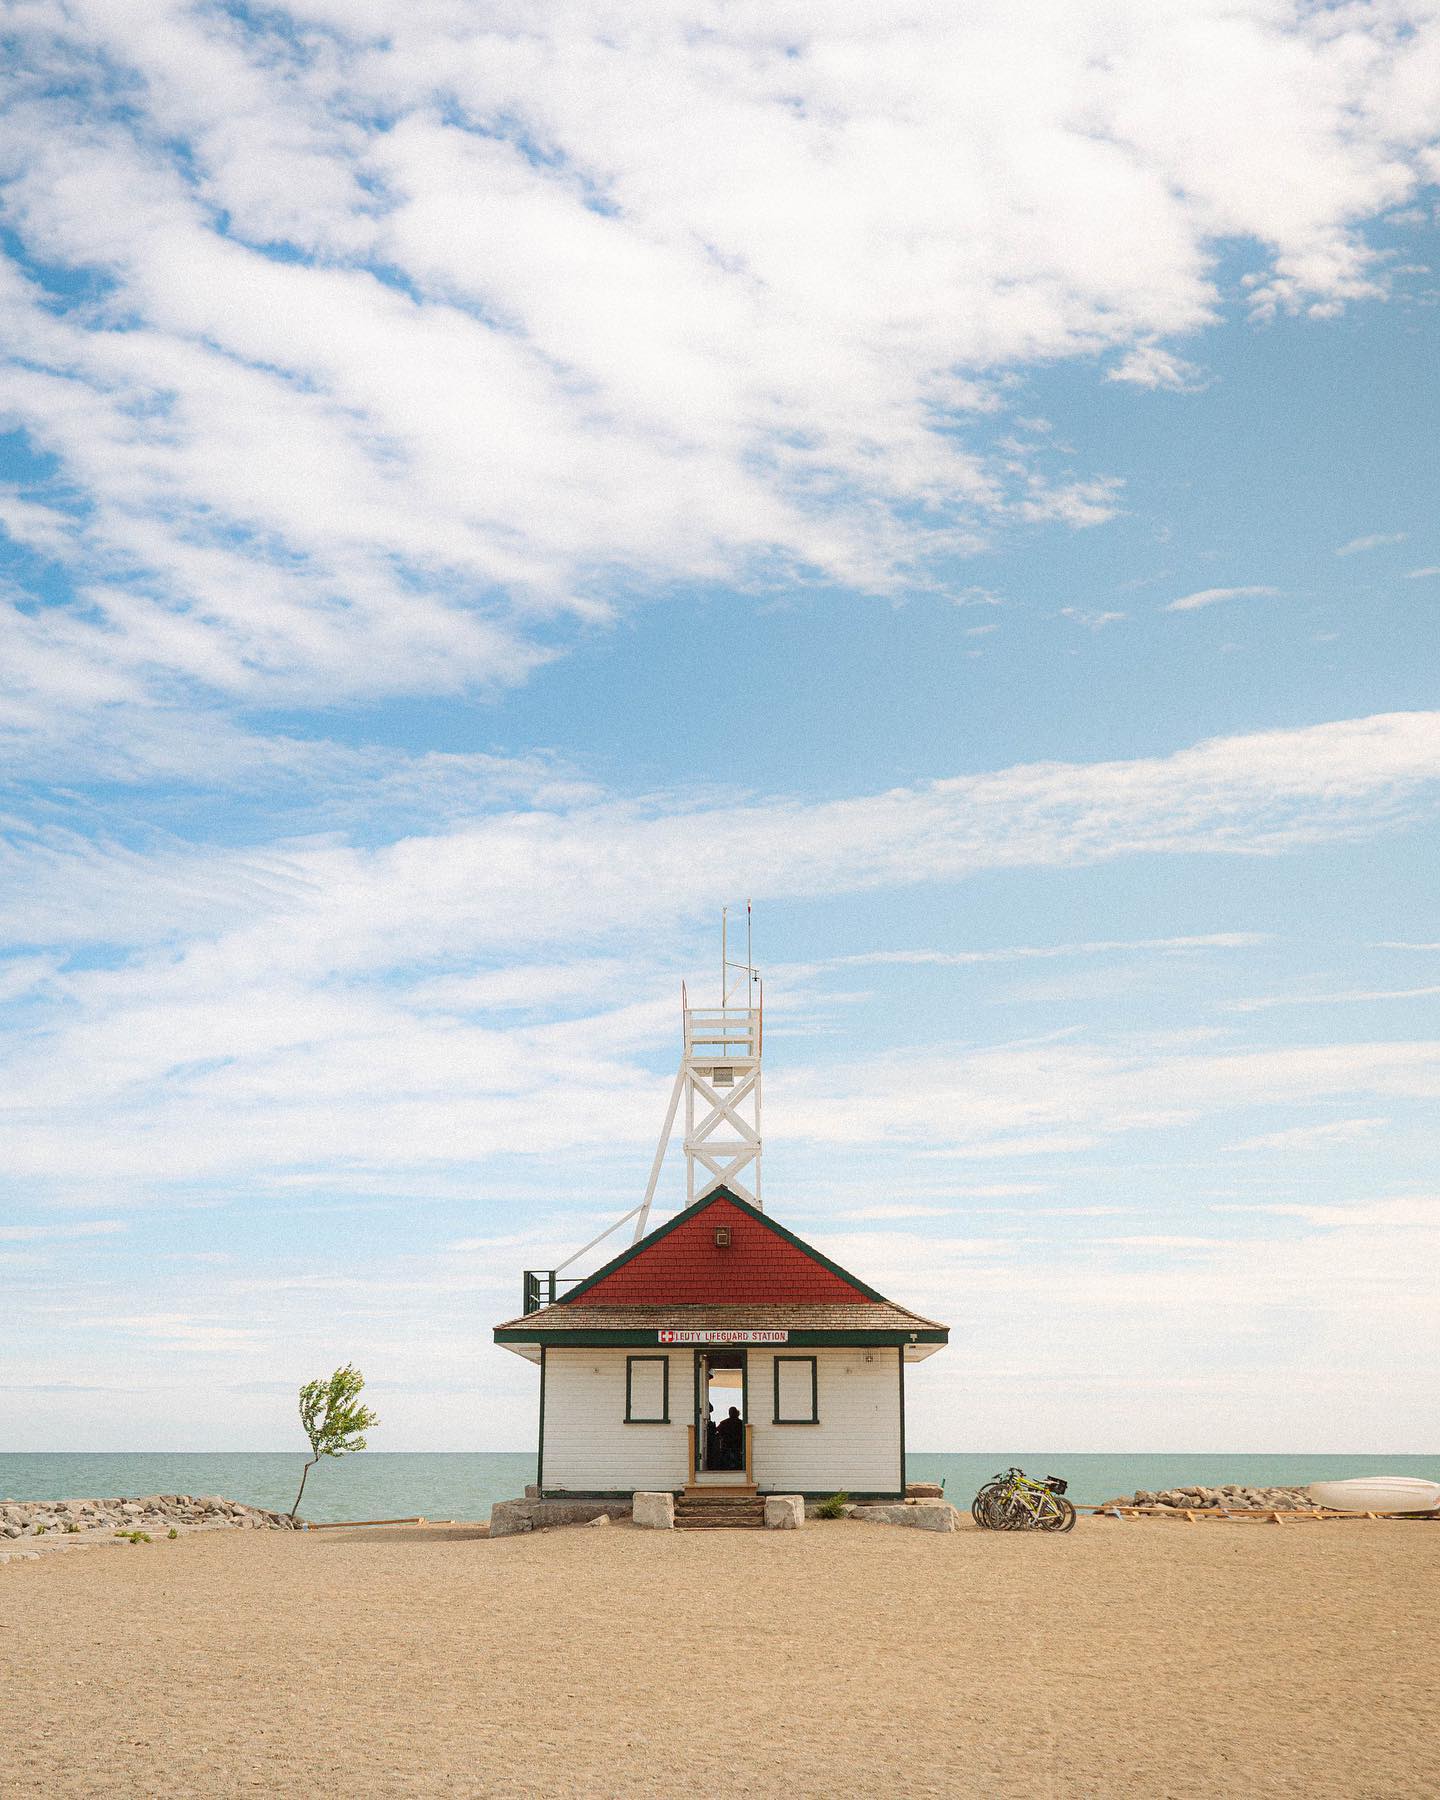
1149,1658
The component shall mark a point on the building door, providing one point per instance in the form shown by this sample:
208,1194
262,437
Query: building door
720,1389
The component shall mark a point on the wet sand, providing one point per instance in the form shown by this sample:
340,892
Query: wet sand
1151,1659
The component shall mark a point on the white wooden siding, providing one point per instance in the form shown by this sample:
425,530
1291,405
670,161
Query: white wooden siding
588,1447
856,1445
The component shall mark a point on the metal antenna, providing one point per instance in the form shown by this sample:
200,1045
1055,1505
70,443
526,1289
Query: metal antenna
719,1079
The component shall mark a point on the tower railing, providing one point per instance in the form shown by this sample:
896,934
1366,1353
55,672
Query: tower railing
724,1033
542,1287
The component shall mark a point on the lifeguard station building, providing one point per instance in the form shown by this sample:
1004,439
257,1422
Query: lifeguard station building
720,1356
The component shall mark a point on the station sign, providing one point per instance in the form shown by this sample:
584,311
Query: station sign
723,1337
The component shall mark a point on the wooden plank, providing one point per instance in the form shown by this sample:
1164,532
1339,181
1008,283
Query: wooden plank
349,1524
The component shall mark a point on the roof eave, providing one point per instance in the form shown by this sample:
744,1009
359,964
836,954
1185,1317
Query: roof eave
813,1338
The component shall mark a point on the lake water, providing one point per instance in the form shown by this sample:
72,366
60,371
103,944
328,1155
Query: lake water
465,1484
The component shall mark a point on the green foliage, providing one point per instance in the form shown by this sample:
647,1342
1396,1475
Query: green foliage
135,1537
172,1533
72,1526
40,1530
333,1419
834,1507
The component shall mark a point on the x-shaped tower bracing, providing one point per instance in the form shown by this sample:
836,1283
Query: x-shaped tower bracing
719,1081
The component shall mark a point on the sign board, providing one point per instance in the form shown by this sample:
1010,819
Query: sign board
723,1337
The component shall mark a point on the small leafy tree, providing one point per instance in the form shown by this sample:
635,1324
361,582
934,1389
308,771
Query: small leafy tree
334,1420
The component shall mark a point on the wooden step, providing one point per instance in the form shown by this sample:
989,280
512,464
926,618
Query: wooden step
713,1511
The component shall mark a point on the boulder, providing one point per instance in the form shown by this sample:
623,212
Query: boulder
924,1490
784,1512
924,1515
654,1512
599,1519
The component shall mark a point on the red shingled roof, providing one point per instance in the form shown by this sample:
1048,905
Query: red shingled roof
681,1264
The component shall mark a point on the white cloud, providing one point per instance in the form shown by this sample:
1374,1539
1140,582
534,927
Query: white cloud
1309,1137
887,1213
1169,1240
1263,1003
568,874
1212,596
1148,366
1421,574
1215,940
1374,540
323,1002
1052,1098
79,1228
1092,621
410,332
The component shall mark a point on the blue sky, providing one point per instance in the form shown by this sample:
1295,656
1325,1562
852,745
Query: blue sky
476,499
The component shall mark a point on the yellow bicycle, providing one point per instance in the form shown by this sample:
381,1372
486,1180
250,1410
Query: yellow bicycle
1016,1501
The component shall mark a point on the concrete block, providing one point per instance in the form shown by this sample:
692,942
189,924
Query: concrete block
546,1513
784,1512
924,1515
510,1517
654,1512
507,1517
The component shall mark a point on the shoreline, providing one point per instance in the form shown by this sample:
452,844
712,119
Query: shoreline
465,1484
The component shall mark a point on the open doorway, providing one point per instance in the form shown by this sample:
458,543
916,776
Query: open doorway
720,1416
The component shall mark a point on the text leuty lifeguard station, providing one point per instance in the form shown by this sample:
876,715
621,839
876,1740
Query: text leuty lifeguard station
719,1358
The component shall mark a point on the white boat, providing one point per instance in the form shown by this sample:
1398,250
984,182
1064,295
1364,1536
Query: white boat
1378,1493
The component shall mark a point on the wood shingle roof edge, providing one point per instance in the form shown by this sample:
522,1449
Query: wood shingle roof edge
806,1322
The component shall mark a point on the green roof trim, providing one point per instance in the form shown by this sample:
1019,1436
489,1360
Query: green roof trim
590,1340
692,1212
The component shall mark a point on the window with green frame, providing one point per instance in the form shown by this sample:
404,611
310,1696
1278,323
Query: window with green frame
647,1390
797,1396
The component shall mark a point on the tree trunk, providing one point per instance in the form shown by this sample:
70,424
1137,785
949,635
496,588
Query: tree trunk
304,1475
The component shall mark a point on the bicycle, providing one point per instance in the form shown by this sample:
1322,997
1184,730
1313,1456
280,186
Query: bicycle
1016,1501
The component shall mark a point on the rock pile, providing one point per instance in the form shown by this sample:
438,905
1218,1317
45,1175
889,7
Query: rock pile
1217,1499
30,1527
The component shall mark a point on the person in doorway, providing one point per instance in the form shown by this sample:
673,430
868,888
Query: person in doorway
712,1440
731,1433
